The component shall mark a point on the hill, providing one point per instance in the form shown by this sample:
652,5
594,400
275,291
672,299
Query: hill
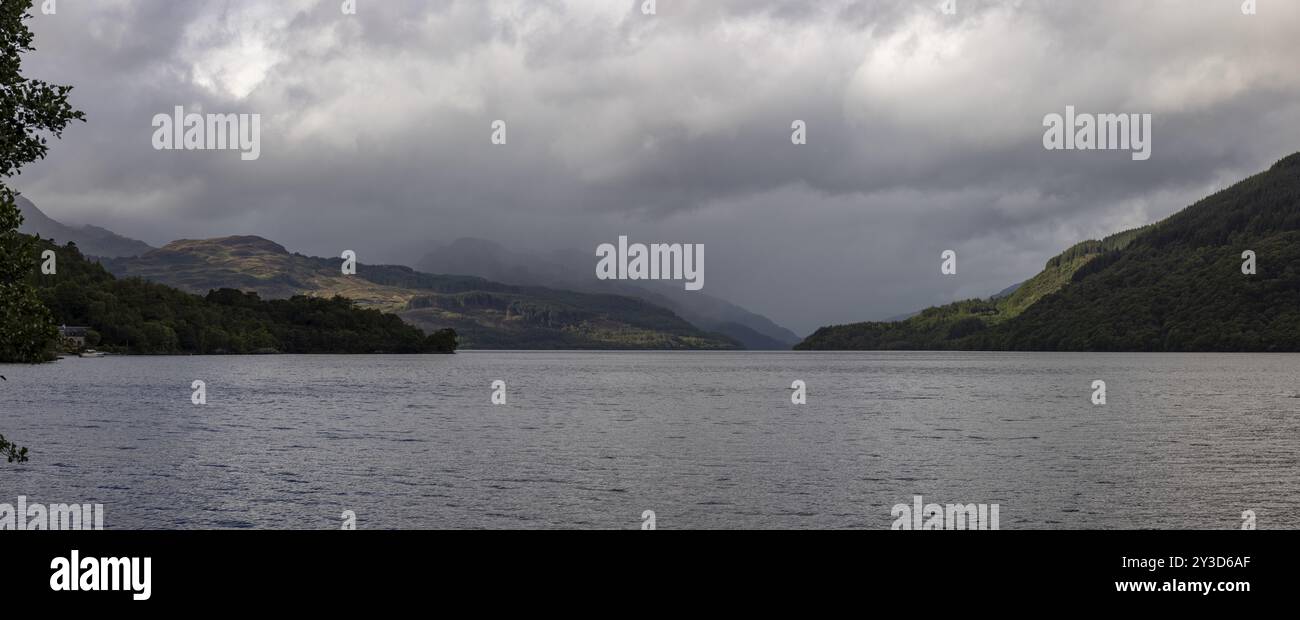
135,316
91,240
485,314
1172,286
574,270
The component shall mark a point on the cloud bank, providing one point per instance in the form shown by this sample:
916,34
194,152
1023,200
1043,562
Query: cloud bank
924,129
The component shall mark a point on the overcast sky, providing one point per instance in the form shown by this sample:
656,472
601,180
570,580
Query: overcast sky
924,129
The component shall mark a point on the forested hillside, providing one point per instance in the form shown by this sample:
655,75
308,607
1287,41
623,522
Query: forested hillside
135,316
1173,286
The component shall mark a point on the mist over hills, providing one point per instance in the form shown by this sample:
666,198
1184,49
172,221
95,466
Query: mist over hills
520,288
485,314
91,240
570,269
1175,285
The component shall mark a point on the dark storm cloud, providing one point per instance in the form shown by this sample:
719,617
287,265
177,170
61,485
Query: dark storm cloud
925,130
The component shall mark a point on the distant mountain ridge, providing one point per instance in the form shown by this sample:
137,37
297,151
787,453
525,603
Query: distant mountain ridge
485,314
90,240
576,271
1176,285
617,317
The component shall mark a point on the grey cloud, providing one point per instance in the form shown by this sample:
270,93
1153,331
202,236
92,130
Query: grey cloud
925,130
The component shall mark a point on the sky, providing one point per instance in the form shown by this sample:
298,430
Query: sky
924,130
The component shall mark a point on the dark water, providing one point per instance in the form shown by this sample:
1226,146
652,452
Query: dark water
706,440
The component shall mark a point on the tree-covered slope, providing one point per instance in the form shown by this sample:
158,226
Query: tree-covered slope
1173,286
135,316
941,327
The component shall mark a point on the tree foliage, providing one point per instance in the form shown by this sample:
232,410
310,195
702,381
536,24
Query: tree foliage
12,453
30,110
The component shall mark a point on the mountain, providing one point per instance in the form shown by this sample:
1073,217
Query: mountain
91,240
576,271
1177,285
139,317
485,314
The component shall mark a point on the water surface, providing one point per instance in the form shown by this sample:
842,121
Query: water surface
706,440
